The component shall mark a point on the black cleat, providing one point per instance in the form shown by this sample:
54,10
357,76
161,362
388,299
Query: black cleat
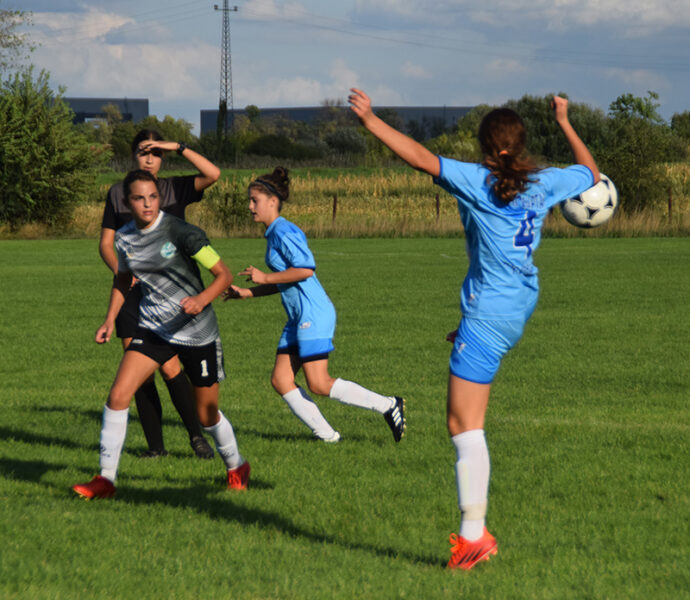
201,447
395,417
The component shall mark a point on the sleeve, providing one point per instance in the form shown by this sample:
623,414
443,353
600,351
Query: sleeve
466,181
190,238
109,218
122,266
185,193
566,183
295,250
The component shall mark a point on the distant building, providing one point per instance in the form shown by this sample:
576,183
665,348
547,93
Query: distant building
85,109
423,121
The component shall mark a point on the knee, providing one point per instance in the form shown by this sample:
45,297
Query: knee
282,384
118,398
321,386
171,369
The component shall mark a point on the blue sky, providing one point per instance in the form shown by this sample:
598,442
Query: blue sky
402,52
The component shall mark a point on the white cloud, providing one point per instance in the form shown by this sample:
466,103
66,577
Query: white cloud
415,71
73,28
639,79
626,17
270,10
506,66
300,90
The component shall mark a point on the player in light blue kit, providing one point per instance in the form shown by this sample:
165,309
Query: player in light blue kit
502,204
307,338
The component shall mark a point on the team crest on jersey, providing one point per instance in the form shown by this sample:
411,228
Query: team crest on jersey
305,325
168,250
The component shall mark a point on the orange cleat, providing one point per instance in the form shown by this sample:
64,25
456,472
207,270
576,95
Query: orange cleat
98,487
466,554
239,478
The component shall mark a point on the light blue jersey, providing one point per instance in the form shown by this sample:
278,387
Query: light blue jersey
311,315
502,282
501,287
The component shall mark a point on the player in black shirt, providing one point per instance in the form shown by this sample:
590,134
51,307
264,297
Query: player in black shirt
176,193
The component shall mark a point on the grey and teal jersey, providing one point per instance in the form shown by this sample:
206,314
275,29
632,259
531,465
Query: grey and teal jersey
501,238
163,257
306,302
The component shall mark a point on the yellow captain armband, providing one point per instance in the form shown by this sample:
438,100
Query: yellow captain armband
207,257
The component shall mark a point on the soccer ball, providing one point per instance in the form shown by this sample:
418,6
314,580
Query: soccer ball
594,206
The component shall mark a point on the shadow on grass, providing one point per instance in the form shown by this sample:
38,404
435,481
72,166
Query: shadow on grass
202,498
26,470
28,437
291,437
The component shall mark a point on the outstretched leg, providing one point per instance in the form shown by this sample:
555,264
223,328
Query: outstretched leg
303,407
353,394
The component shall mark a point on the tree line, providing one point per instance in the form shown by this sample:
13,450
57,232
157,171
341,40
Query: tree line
48,164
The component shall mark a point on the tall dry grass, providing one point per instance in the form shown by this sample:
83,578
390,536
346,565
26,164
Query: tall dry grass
387,203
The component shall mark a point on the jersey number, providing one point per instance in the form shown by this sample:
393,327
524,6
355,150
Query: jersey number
204,368
525,233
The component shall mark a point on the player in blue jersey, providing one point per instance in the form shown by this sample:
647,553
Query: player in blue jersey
175,319
307,338
502,203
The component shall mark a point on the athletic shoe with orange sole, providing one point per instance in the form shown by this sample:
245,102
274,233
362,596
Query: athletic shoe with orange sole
98,487
466,554
239,478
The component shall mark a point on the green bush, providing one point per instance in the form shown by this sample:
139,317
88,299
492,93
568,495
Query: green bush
46,164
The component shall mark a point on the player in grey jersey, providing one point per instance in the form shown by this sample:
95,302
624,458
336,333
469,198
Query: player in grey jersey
176,318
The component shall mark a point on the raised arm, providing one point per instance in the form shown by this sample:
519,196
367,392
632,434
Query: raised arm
208,172
581,153
411,151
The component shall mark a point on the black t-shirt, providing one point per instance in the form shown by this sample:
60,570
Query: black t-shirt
176,194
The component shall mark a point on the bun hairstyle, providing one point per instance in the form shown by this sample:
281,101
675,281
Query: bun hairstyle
275,184
137,175
145,134
503,139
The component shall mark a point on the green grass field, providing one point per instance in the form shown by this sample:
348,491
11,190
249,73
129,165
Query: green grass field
588,429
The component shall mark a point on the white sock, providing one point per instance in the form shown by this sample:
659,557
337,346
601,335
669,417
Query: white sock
113,432
226,444
305,410
349,392
472,478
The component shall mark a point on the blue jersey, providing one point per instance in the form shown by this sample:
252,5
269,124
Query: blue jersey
502,282
305,302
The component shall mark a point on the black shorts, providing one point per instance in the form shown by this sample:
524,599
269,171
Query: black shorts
127,321
294,351
203,364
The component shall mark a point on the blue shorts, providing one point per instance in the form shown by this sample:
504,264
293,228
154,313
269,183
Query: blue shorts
311,338
480,345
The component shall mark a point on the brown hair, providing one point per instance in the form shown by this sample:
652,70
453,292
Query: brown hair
275,184
145,134
503,139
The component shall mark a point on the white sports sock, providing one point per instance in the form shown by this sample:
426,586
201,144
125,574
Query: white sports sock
349,392
472,478
113,433
305,410
224,437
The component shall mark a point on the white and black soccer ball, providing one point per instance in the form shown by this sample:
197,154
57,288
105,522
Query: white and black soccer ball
594,206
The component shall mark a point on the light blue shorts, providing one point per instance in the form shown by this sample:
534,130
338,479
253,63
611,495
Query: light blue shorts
480,345
308,337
